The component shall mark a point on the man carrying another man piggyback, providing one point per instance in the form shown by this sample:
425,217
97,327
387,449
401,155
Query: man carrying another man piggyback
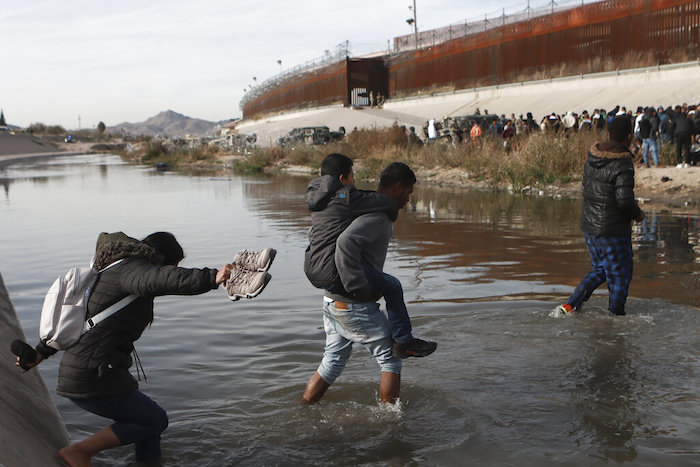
349,237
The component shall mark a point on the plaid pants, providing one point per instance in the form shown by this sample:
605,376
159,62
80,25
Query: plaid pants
612,263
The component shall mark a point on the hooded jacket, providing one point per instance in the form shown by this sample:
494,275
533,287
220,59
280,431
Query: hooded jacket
683,126
98,365
333,207
608,191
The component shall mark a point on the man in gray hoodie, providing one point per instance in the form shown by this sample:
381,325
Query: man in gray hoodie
348,320
334,203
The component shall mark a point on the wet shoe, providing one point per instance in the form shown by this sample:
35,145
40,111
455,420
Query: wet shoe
416,348
612,313
255,260
246,284
561,310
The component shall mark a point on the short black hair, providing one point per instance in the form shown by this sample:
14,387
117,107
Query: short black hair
620,128
336,165
397,172
167,247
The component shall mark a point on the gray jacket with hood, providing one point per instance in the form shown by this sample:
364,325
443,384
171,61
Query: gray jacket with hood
98,365
364,242
333,207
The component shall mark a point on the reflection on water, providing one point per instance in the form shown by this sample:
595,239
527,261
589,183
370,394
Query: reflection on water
606,399
507,386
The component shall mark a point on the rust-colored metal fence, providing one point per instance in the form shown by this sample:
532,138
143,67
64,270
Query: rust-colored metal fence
348,82
590,38
584,39
325,85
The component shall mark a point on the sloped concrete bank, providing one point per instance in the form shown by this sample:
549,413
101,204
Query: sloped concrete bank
9,160
666,85
31,432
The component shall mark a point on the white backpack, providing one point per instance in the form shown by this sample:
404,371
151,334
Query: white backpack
65,308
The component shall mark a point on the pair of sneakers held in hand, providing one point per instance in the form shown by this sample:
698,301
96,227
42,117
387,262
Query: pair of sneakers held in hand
249,276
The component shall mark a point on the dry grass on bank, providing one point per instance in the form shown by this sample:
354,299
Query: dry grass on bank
544,158
153,151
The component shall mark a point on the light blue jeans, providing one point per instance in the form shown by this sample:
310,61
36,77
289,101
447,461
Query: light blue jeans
650,144
362,323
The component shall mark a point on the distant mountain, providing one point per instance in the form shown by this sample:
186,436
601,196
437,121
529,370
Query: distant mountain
168,123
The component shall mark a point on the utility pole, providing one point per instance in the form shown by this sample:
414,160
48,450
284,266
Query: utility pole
414,22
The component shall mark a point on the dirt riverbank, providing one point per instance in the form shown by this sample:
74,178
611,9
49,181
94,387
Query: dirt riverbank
664,187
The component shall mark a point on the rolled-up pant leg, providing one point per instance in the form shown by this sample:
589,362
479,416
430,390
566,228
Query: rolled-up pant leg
138,420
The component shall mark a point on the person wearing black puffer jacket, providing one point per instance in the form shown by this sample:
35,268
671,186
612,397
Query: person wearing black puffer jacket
94,373
683,135
609,207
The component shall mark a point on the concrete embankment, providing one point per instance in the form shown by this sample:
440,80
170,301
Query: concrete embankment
666,85
31,432
20,147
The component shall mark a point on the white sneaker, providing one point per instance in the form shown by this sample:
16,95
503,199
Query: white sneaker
246,284
255,260
679,166
686,166
562,310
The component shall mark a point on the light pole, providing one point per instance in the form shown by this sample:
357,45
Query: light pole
414,22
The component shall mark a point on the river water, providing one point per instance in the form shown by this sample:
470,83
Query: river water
508,385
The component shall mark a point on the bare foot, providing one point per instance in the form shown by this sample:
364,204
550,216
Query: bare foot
74,457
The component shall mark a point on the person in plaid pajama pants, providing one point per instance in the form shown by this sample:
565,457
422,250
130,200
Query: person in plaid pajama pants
612,263
609,207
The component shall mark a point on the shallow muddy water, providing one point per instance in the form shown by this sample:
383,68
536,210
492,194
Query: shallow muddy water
508,385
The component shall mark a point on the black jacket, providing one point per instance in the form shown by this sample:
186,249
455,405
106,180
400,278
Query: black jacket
608,191
98,365
645,127
333,207
684,126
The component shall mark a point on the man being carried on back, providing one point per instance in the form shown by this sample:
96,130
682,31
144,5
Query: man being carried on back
334,203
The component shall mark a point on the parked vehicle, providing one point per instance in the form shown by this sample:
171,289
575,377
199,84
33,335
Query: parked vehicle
308,135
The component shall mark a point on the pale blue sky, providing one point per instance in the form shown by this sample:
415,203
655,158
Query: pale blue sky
128,60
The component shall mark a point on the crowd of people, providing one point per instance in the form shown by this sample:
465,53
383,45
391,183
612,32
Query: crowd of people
654,127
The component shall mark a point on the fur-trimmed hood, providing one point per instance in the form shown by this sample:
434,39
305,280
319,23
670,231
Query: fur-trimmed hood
601,154
610,150
112,247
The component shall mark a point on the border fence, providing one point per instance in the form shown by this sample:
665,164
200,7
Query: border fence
496,19
595,37
557,38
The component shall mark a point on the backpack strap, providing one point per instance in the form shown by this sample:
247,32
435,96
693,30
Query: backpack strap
106,313
107,267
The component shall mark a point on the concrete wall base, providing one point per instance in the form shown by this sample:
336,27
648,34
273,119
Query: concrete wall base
31,432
